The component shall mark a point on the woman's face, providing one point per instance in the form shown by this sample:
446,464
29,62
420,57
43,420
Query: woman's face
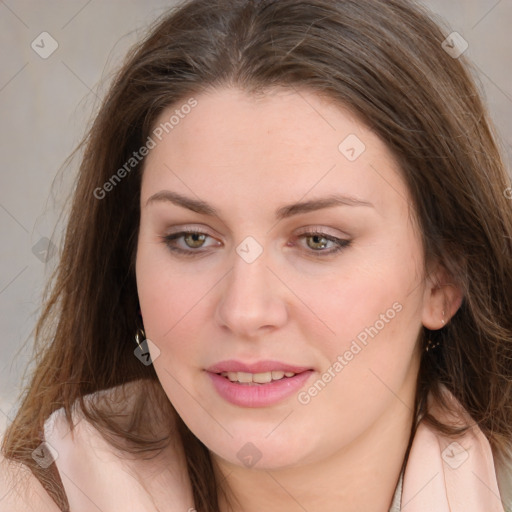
306,261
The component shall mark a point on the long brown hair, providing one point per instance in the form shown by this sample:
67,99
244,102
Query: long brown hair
384,60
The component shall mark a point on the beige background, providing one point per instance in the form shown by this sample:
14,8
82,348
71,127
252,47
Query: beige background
45,104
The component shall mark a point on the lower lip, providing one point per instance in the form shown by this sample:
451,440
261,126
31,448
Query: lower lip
258,395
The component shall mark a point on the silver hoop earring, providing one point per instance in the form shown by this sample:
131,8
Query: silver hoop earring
140,336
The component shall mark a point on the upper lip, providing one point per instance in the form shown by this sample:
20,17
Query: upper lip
257,367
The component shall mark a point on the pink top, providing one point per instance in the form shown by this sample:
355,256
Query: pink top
442,475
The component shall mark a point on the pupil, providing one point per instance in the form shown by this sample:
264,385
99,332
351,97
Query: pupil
317,238
196,237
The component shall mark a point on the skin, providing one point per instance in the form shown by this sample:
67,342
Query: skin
247,157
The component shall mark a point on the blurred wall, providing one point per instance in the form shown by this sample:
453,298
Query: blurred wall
45,103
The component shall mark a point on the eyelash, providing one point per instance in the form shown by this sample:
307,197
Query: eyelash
340,243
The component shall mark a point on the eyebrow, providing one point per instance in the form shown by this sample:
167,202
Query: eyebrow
199,206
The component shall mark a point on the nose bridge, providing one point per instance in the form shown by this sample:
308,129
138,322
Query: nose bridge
251,298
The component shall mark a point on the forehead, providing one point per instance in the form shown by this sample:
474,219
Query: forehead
286,143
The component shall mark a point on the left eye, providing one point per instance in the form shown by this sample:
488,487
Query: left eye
320,241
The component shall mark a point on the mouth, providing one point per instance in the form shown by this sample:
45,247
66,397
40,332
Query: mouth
257,379
260,384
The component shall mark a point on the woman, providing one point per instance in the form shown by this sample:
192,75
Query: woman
285,279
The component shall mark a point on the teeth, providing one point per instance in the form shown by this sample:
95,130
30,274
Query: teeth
244,377
258,378
262,378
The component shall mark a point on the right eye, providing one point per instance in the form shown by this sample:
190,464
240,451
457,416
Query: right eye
192,239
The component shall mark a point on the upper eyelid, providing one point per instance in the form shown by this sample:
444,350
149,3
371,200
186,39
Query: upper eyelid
185,230
321,231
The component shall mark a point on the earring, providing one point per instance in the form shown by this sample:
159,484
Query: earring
431,345
140,336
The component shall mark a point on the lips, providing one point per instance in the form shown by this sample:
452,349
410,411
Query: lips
257,384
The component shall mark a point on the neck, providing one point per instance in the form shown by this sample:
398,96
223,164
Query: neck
359,477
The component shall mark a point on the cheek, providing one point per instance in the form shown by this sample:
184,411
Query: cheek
172,303
334,308
374,311
369,298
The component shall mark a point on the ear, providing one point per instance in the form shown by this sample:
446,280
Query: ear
442,299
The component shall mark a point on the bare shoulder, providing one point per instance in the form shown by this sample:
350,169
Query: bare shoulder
21,491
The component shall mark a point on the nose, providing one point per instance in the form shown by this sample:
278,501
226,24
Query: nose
252,301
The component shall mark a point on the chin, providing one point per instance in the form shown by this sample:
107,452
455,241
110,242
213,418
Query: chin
260,450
